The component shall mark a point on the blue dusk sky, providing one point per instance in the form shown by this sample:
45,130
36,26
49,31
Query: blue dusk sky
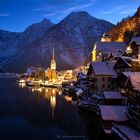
16,15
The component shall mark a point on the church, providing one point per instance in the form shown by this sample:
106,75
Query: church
50,72
103,49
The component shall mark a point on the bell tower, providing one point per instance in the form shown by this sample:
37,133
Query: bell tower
53,63
94,51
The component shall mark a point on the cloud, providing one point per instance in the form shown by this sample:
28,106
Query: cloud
116,9
76,8
128,11
60,11
50,15
4,14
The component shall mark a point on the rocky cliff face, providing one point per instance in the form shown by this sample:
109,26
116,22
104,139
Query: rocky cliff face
72,39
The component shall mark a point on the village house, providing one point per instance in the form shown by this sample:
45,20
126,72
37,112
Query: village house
125,64
125,132
113,114
100,77
129,83
113,98
134,45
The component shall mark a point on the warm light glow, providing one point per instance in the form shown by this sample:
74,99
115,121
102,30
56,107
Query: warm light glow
22,85
46,90
71,84
60,92
22,81
129,49
68,98
53,101
53,91
36,89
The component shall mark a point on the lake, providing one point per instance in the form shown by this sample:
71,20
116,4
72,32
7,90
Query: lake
38,113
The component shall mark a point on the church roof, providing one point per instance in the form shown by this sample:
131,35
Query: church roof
110,47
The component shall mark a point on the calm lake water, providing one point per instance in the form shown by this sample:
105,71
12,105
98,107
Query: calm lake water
38,114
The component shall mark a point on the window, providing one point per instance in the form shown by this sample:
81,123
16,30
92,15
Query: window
109,78
103,78
108,86
103,86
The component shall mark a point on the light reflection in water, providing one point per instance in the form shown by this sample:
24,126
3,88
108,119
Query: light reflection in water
22,85
68,98
49,94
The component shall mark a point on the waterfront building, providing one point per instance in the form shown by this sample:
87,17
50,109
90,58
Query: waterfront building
100,76
113,114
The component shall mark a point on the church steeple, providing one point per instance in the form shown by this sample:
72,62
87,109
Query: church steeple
53,54
53,63
94,53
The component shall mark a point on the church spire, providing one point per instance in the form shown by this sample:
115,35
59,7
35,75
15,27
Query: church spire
53,63
53,54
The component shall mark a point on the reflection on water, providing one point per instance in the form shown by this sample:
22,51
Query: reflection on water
49,94
37,113
22,85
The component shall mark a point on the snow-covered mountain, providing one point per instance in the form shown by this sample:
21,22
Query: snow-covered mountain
11,43
35,31
72,39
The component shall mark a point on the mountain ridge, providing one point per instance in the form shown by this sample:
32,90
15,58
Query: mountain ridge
72,38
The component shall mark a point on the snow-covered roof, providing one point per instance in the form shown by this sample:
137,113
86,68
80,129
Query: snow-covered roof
82,75
125,131
80,91
110,46
102,68
136,39
135,81
114,113
112,95
128,73
125,59
129,58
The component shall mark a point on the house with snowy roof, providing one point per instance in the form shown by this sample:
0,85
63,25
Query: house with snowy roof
103,50
113,98
124,132
110,114
124,64
134,46
100,76
129,83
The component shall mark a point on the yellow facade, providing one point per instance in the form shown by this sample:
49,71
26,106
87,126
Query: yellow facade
93,55
51,74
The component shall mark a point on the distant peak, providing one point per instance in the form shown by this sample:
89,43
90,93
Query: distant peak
45,20
83,13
